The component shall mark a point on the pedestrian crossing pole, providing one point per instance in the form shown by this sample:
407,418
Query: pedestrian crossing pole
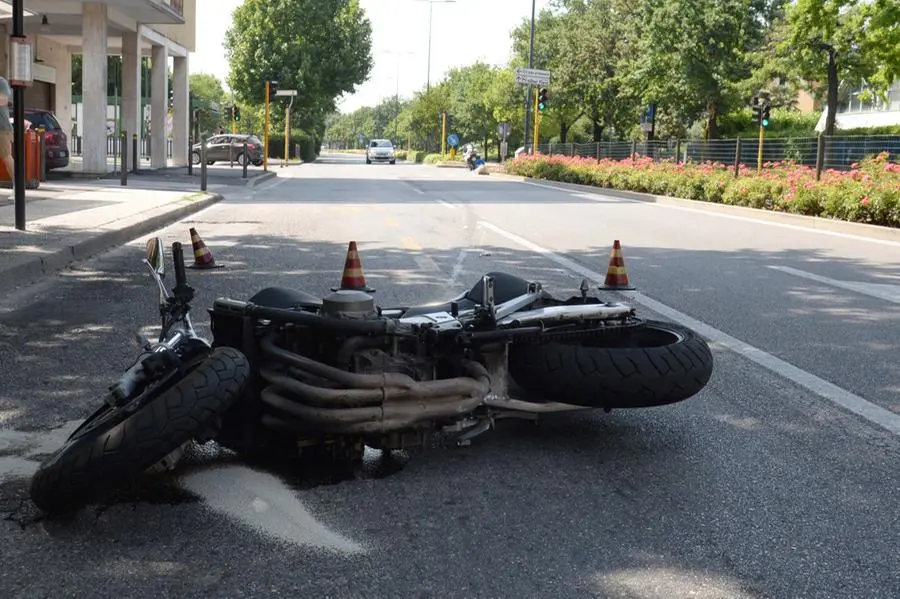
266,132
233,122
443,134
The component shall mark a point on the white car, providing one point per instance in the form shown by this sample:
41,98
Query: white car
380,150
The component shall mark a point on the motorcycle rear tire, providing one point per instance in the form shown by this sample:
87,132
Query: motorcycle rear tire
92,465
655,364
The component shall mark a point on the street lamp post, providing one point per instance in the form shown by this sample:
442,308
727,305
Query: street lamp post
397,84
430,7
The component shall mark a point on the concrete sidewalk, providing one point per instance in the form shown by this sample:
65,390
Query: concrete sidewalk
65,223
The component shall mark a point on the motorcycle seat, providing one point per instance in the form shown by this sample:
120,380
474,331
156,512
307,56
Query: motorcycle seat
506,287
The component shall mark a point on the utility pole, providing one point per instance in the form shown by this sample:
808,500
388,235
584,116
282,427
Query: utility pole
528,88
430,11
19,77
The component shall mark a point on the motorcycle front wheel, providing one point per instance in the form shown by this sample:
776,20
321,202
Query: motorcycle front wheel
654,364
113,446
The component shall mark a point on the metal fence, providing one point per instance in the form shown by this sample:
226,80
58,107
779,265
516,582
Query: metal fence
837,152
114,146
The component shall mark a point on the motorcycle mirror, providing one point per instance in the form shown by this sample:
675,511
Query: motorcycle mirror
155,255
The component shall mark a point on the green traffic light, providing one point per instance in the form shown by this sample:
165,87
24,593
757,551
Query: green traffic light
765,123
541,106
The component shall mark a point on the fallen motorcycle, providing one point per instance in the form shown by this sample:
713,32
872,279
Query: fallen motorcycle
289,371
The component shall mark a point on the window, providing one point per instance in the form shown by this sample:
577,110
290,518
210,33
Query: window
42,119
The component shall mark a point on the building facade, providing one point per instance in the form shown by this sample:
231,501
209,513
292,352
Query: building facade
163,30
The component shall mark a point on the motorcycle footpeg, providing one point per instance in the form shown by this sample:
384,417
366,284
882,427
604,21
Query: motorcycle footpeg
465,439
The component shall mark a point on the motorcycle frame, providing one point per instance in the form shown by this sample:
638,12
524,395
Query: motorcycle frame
472,403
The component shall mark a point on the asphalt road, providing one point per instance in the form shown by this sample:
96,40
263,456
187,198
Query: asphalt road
760,486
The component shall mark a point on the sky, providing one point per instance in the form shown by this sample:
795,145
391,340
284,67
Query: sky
462,32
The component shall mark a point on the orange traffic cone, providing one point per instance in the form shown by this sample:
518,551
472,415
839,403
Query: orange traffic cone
616,273
203,258
353,277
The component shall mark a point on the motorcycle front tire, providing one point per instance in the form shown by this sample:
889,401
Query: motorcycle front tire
91,465
655,364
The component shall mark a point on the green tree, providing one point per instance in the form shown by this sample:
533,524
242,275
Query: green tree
841,42
470,103
594,45
210,100
566,105
691,53
321,48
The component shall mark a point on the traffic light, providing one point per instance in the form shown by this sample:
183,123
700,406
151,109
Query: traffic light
542,99
236,113
766,114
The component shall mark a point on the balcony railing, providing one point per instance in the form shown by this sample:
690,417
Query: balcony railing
175,5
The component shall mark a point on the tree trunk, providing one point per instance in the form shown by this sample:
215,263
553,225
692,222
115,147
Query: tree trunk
712,122
598,130
831,119
563,131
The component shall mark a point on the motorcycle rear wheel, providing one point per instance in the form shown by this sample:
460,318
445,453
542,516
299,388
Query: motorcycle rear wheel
101,455
654,364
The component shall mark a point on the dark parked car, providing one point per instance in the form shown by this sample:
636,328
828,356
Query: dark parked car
218,148
56,142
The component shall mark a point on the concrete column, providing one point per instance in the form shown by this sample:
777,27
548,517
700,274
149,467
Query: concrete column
4,50
159,105
94,80
180,110
131,85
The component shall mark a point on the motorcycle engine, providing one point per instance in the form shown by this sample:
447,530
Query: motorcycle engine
377,361
350,304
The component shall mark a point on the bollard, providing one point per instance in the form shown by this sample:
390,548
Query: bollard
246,160
231,154
190,155
820,156
135,156
42,133
124,179
202,163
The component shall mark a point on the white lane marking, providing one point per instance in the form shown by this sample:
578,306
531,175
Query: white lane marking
271,184
417,190
610,194
886,292
446,204
457,267
426,263
854,403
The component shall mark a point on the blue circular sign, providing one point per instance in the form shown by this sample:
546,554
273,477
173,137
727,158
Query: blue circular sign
453,139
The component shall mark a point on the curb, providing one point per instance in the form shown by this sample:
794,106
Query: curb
31,272
816,223
260,179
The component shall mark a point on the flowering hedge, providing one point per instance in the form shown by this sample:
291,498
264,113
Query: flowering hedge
868,193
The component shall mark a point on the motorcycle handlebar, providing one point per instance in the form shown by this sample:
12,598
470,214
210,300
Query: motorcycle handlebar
178,257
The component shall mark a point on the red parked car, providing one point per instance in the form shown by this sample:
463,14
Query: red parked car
56,141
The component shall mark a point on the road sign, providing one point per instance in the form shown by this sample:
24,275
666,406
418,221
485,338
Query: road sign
453,140
532,76
503,130
286,92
